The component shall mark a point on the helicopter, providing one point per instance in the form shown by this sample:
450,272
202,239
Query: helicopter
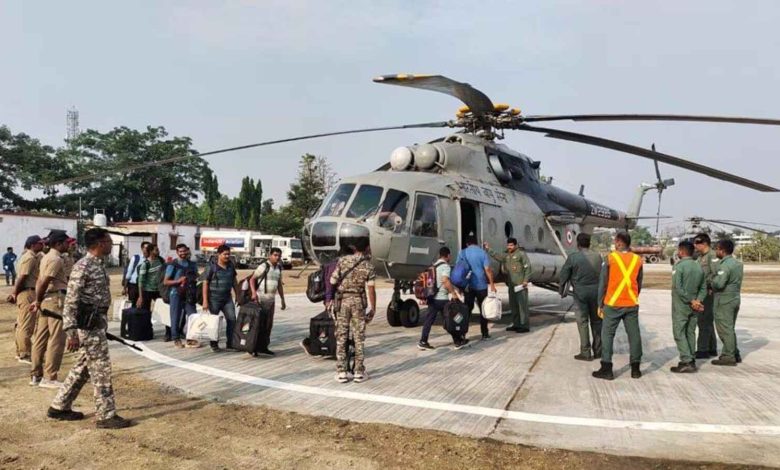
437,193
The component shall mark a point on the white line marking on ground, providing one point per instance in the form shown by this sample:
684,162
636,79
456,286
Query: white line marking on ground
466,409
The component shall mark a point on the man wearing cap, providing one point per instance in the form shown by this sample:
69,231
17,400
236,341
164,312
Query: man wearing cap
9,262
24,294
727,286
49,339
707,343
517,269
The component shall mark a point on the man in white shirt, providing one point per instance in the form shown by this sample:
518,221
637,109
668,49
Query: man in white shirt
266,281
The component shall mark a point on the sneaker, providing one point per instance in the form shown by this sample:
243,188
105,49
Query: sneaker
114,422
46,383
216,349
64,415
35,381
522,329
177,344
192,344
511,328
463,343
425,346
267,352
583,357
167,339
485,336
342,377
360,377
24,360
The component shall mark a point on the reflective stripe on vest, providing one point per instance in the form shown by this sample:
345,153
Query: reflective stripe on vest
622,287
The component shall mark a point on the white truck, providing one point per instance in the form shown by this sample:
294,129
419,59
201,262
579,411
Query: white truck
292,248
250,248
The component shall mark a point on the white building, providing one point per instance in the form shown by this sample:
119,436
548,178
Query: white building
15,227
128,237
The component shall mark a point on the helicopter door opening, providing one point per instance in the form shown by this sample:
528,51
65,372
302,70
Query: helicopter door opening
469,221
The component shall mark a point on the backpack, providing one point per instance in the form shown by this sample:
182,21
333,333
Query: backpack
461,273
245,292
456,318
426,284
206,275
315,287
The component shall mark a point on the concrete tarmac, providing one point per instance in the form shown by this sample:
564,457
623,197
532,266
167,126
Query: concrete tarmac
521,388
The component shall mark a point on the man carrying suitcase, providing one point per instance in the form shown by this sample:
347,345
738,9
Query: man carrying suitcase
221,278
265,282
352,275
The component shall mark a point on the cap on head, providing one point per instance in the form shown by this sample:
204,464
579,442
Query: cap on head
32,240
57,237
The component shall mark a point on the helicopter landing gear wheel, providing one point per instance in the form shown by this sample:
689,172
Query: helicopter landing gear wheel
410,313
393,316
652,259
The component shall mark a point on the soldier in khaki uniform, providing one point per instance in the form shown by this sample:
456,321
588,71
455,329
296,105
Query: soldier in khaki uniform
517,269
582,268
24,294
707,343
85,322
49,339
352,275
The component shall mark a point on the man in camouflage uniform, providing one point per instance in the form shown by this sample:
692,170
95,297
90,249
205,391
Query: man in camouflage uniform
727,285
707,344
517,269
352,275
582,269
88,291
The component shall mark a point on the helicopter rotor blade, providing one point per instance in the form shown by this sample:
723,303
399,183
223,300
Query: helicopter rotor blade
166,161
643,152
658,214
746,222
652,117
478,102
746,227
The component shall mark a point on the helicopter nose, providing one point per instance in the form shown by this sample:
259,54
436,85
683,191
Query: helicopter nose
325,238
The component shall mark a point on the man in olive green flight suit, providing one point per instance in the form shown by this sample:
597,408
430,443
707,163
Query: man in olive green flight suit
689,290
727,285
707,342
582,269
517,269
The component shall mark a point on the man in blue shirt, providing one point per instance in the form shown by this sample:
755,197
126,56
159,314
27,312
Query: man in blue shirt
9,259
481,278
181,277
130,277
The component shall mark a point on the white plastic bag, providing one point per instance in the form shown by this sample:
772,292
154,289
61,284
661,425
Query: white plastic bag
119,304
205,327
491,308
161,312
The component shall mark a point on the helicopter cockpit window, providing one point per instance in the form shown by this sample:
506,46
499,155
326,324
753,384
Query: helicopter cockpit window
366,201
392,215
337,201
425,223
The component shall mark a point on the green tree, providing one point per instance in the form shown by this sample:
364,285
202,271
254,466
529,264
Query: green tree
24,164
762,248
641,236
136,194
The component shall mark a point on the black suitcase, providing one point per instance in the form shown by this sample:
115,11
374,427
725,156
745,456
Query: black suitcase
322,336
250,333
456,318
136,324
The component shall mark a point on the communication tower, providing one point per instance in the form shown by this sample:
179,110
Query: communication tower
72,123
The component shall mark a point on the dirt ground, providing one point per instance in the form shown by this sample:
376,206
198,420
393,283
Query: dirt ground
755,282
176,430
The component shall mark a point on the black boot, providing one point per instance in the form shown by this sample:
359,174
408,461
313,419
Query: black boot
64,415
635,372
703,355
583,357
605,372
684,368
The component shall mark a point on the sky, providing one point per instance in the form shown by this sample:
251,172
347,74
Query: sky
233,73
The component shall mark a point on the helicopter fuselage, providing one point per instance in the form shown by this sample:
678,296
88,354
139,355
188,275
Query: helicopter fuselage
437,194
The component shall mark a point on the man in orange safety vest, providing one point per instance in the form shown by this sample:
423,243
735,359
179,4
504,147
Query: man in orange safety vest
619,285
